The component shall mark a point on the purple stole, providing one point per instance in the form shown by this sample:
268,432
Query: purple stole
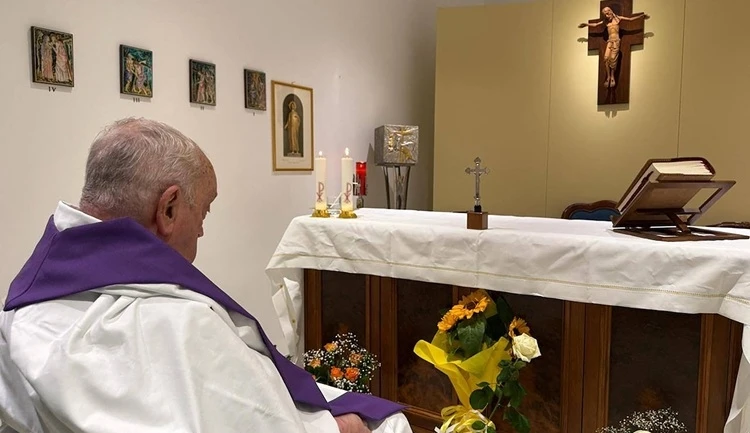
121,252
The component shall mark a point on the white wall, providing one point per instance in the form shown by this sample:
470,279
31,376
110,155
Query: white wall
369,62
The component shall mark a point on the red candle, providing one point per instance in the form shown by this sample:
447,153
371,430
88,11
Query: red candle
361,173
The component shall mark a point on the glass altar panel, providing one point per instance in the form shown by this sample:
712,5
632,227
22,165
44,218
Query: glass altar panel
654,363
541,378
344,305
418,312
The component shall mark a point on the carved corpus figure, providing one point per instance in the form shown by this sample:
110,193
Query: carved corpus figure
613,35
612,52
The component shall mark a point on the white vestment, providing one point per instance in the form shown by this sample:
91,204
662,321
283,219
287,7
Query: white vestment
145,358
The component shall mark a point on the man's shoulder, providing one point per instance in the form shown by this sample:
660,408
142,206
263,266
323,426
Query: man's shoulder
159,290
147,306
69,309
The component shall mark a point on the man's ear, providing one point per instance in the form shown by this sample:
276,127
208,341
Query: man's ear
166,211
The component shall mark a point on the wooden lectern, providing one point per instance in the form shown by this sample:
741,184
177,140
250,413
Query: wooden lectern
655,205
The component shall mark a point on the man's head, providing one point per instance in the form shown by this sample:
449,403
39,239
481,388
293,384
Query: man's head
152,173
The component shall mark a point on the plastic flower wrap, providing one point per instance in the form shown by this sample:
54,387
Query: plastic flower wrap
343,364
481,347
459,419
465,374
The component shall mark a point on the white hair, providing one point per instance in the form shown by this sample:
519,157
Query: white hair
132,161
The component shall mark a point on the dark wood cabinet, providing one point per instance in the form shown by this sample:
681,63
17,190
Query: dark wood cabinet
598,363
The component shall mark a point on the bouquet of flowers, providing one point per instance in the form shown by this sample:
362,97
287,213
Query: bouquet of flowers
482,347
343,364
650,421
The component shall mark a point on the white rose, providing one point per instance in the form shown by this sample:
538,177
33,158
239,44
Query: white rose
525,347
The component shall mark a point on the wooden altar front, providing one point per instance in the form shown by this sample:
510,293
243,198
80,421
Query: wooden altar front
598,363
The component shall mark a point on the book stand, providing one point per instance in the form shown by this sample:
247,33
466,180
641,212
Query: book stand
658,212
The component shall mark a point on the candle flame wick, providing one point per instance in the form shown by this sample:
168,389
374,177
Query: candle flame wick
346,151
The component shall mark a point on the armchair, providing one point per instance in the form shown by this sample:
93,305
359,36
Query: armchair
602,210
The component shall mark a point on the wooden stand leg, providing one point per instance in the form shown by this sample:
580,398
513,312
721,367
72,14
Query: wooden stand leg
681,226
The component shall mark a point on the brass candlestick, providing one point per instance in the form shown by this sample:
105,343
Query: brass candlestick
347,214
321,213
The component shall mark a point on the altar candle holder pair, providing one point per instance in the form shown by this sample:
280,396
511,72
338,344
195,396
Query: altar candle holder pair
353,188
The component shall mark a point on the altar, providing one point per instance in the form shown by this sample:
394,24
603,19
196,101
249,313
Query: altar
623,323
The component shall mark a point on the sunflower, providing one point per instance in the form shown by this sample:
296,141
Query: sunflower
458,311
517,327
448,321
474,303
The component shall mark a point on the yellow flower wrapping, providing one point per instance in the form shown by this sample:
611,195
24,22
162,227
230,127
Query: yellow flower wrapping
459,419
463,374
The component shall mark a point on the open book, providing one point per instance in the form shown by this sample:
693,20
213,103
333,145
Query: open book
666,170
661,204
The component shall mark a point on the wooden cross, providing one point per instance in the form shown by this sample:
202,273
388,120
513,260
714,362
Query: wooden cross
477,171
614,88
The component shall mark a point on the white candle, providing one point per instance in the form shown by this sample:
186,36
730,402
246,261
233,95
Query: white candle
347,178
320,182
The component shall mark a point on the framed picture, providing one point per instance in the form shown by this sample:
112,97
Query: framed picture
255,90
202,83
292,123
136,71
52,57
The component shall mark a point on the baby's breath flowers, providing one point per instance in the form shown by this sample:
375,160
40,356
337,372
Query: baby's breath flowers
342,363
650,421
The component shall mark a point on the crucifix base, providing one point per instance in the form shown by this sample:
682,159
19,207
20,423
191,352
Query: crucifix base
476,220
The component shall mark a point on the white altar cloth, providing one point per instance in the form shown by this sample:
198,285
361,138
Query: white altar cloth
574,260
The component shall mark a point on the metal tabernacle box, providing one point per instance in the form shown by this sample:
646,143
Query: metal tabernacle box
396,145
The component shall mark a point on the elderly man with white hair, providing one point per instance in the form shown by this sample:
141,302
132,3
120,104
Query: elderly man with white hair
108,327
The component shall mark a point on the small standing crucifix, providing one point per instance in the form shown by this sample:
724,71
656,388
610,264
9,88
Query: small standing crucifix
477,171
613,36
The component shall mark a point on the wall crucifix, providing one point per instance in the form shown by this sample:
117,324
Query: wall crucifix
613,35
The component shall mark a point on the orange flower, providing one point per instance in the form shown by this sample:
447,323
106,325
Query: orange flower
448,321
330,347
352,374
517,327
336,373
475,303
314,363
458,311
355,358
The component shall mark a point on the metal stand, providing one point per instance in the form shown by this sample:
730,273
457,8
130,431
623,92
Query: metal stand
359,199
396,192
